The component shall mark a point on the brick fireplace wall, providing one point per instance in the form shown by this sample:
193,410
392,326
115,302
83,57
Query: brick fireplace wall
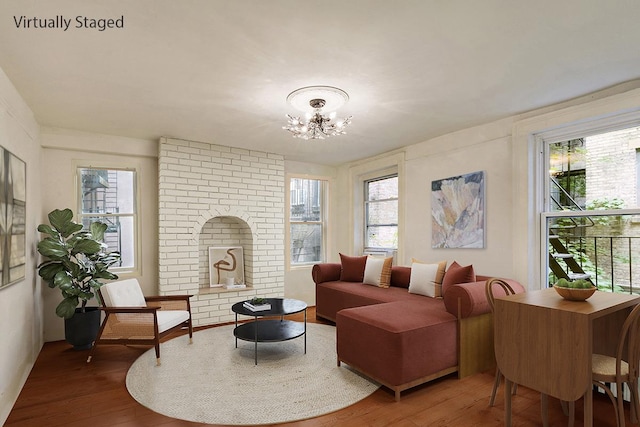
212,195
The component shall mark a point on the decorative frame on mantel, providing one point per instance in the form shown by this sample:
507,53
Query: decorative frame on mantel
13,216
226,263
457,211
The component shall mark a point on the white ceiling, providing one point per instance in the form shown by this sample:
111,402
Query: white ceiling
220,70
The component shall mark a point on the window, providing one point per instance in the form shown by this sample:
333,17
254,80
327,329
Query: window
109,196
589,229
381,212
307,220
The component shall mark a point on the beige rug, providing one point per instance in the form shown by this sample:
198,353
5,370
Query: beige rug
210,381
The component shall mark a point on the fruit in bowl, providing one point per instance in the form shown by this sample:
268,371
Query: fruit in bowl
574,290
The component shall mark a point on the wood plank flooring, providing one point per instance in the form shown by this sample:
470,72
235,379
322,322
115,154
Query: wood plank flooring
63,390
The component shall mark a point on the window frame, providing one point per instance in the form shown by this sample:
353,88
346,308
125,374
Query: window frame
367,203
135,269
542,141
323,222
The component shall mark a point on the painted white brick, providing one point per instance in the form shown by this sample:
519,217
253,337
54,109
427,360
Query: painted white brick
229,196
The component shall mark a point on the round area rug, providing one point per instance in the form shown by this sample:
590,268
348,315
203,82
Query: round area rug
211,381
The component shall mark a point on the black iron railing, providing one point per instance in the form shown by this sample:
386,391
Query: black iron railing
612,262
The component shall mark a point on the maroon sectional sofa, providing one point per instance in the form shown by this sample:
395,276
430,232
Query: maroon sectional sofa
401,339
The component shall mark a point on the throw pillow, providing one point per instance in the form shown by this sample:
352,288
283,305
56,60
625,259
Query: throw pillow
442,266
352,268
423,278
377,271
457,274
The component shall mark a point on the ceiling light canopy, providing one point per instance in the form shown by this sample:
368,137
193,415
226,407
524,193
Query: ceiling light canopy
314,100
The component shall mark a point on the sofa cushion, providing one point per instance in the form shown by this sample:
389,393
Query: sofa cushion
469,299
442,266
437,280
326,272
397,342
457,274
332,297
352,268
400,276
423,278
377,271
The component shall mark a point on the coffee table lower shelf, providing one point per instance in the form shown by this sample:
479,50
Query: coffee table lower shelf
270,330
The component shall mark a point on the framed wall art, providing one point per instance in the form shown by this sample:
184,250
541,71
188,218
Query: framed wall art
457,211
226,266
13,197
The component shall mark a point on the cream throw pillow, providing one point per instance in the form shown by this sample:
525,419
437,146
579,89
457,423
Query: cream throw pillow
423,279
442,266
377,271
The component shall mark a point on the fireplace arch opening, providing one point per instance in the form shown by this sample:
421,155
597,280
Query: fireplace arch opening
224,231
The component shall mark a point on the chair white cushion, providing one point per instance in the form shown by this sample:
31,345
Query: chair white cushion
123,293
167,319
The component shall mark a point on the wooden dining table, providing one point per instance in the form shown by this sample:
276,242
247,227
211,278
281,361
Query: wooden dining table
545,342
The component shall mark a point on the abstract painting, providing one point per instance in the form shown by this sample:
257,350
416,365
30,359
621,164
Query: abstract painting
225,263
457,211
13,196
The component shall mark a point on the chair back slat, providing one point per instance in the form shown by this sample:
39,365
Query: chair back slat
499,285
630,339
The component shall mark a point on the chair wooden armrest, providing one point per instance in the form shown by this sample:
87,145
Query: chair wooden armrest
170,302
168,297
132,318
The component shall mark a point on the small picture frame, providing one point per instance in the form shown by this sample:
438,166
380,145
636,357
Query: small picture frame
226,264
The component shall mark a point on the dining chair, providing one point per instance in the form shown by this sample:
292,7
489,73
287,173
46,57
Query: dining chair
490,290
621,369
132,318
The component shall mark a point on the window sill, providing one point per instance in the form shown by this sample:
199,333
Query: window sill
221,290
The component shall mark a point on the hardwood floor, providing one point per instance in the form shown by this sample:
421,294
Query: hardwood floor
63,390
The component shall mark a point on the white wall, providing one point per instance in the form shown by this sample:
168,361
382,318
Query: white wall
21,303
485,148
504,150
63,151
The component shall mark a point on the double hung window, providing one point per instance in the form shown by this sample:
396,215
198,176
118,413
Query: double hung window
307,224
590,215
381,212
109,196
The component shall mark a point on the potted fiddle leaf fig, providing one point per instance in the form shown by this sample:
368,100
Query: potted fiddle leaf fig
76,262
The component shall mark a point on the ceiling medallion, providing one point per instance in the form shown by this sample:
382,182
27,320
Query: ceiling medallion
314,100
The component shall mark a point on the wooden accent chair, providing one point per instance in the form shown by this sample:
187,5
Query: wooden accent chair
623,368
489,291
132,318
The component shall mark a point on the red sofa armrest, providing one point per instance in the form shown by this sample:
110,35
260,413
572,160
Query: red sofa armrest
326,272
473,298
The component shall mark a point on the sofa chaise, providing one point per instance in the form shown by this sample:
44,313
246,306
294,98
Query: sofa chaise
400,338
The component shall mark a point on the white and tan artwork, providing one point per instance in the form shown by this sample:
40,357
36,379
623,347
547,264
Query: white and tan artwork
226,264
457,211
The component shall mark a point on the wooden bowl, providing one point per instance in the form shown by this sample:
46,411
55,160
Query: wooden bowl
575,294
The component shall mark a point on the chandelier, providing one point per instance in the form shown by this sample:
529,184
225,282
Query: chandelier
312,100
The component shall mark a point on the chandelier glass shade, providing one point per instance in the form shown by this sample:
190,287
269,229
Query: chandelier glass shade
315,124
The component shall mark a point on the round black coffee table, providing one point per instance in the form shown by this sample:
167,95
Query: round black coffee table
271,330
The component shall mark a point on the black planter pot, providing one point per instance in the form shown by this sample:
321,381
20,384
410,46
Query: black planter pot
82,329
